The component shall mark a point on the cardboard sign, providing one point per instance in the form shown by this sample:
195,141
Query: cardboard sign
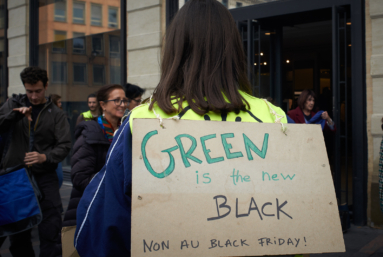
207,188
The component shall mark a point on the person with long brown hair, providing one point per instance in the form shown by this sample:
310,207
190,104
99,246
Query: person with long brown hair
203,77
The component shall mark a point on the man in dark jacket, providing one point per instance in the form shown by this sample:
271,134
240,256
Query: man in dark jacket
40,139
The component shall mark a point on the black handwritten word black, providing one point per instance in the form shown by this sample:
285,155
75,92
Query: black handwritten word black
217,243
184,244
156,246
266,209
265,241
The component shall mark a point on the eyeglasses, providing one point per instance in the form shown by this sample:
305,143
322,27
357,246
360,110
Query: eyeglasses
118,102
137,101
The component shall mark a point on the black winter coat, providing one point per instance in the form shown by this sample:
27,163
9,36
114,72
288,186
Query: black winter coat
51,137
89,154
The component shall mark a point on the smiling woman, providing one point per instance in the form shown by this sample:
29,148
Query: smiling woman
93,139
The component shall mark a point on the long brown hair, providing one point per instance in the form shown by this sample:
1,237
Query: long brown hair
203,61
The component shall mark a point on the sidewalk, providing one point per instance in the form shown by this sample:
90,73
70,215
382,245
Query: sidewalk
359,241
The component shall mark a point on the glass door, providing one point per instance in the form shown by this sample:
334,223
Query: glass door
341,83
263,48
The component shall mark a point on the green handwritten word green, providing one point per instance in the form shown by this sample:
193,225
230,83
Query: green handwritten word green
188,154
274,177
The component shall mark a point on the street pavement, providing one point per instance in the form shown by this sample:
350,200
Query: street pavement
359,241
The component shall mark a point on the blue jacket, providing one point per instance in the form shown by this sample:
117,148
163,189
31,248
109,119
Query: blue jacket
104,212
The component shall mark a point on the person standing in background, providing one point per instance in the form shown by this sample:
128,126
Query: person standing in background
134,94
40,139
305,113
93,139
92,113
56,99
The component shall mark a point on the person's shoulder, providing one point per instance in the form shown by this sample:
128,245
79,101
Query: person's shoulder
141,111
263,109
20,98
55,110
89,125
16,100
90,129
254,101
294,112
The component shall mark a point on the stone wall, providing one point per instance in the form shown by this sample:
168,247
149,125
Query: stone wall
145,30
18,42
374,76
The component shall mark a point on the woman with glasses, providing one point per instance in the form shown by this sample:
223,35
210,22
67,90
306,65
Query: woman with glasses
93,140
134,94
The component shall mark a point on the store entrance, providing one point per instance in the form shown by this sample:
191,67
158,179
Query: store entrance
309,50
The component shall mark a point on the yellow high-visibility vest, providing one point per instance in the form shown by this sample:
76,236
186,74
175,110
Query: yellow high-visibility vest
259,112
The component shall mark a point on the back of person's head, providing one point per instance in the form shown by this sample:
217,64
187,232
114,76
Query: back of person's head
203,59
55,98
91,95
103,94
32,75
304,96
133,91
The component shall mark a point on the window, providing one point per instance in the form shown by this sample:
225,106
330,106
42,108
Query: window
225,2
238,4
79,12
113,17
115,73
60,10
79,73
114,46
98,74
97,45
59,46
59,72
96,15
79,43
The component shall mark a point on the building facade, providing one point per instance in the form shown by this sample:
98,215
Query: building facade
333,47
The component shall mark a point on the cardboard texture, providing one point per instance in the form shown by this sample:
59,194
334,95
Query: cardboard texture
252,191
67,242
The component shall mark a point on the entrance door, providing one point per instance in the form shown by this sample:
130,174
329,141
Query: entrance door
263,47
341,83
309,50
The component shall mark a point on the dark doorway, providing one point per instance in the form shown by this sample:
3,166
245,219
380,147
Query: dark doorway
288,53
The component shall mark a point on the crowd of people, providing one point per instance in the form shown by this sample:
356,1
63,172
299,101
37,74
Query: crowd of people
35,131
203,74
